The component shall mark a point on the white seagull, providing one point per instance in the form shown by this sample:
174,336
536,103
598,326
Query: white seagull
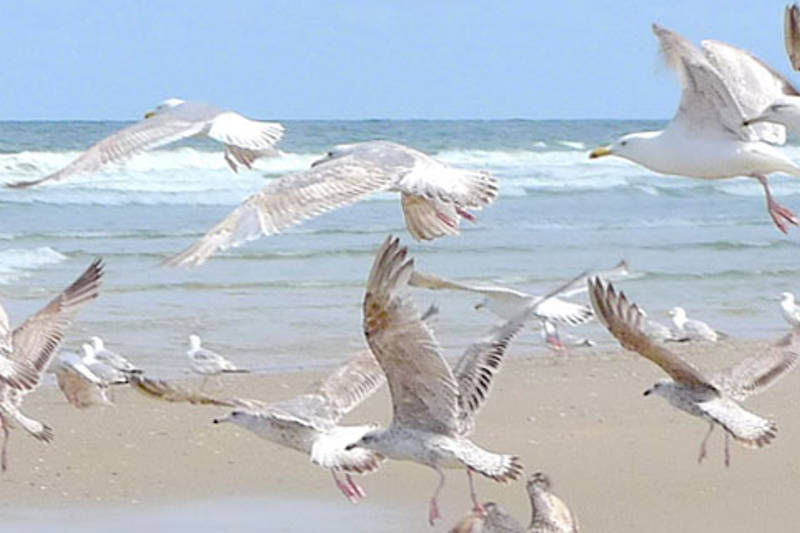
434,196
308,423
715,399
208,363
173,119
707,138
112,359
434,405
109,374
789,309
691,329
81,387
31,347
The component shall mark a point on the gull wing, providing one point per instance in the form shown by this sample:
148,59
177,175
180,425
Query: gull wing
149,133
757,373
6,340
477,367
423,389
288,201
328,450
37,339
578,285
753,83
169,392
233,129
747,428
707,106
427,219
791,28
625,322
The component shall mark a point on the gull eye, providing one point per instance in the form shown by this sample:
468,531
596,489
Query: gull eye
330,154
624,143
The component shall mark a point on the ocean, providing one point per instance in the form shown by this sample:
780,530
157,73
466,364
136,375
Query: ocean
293,300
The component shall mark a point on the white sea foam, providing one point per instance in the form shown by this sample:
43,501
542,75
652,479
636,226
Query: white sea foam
16,263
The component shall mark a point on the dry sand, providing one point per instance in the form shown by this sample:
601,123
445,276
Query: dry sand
624,462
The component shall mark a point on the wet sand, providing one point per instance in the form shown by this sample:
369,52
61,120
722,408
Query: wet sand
625,463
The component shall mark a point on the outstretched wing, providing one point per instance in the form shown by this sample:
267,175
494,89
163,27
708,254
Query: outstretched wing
476,369
233,129
424,391
36,340
792,34
625,322
747,428
169,392
288,201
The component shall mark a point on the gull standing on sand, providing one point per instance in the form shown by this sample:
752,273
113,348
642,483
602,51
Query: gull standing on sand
714,399
691,329
434,405
112,359
434,196
707,138
308,423
107,373
81,387
656,331
208,363
174,119
549,514
789,309
31,347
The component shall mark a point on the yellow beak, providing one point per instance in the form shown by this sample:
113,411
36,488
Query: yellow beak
149,114
600,152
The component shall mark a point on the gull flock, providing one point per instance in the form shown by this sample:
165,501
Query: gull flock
734,110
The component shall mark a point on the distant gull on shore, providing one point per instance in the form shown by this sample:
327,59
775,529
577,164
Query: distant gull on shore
30,349
789,309
110,358
245,140
207,363
434,196
107,373
715,399
690,329
308,423
707,138
549,513
434,405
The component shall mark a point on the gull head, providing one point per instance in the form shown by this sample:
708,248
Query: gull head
369,440
633,146
334,153
238,417
677,313
194,342
538,480
784,110
787,298
97,343
166,105
661,388
88,351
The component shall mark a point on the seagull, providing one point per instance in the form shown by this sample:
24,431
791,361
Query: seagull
434,196
507,303
81,387
107,373
174,119
714,399
791,29
208,363
690,329
549,514
656,331
789,309
31,347
434,405
308,423
111,358
707,138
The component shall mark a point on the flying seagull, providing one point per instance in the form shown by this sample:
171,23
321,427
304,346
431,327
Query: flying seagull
434,405
714,399
32,346
245,140
549,513
707,137
308,423
434,196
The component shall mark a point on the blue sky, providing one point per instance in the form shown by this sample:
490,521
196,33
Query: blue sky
304,59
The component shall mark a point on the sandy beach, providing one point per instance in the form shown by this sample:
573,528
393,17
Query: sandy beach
624,462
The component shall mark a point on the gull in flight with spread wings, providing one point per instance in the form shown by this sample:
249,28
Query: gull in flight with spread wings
707,138
434,405
32,346
308,423
715,399
245,140
434,196
549,513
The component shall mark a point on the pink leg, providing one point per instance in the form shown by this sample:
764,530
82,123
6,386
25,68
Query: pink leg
433,508
357,490
476,505
345,488
778,213
466,214
702,454
727,450
446,219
